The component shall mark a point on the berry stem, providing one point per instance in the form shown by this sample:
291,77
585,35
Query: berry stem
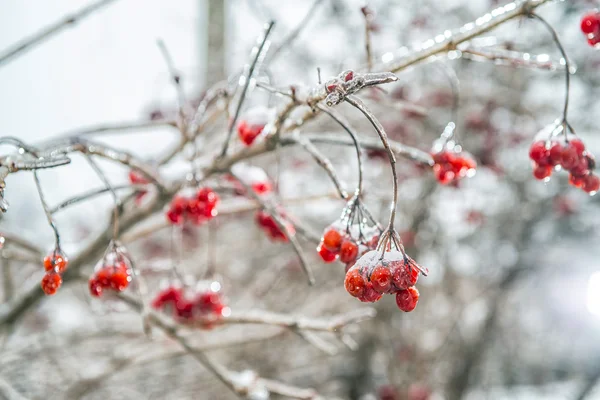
116,200
337,117
46,209
567,63
356,102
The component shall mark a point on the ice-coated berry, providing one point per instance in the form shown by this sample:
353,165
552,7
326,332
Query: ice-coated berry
407,299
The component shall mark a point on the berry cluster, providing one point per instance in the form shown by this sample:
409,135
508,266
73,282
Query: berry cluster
252,125
136,178
346,243
204,306
55,264
197,208
253,176
113,272
267,223
590,26
392,272
568,154
452,164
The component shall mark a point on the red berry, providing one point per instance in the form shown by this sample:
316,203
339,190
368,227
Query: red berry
248,133
591,184
407,299
542,172
332,240
593,41
120,279
538,152
569,157
581,168
590,23
174,217
184,309
166,296
207,195
405,276
103,277
578,145
354,283
381,279
555,153
262,187
443,174
56,261
137,178
348,251
349,76
576,181
326,255
370,295
209,302
95,287
50,283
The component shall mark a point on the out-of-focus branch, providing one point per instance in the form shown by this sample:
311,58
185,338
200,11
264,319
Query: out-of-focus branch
448,40
288,40
236,382
323,162
37,38
328,324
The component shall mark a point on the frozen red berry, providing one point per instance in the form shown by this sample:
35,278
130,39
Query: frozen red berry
590,23
407,299
332,239
370,295
327,255
56,261
348,251
591,184
538,152
381,279
95,287
542,172
51,282
354,283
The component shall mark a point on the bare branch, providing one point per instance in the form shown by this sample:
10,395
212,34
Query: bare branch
37,38
448,40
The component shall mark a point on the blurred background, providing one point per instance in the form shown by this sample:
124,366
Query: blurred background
511,307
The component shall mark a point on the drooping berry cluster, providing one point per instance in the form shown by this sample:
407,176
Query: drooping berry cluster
55,265
197,207
113,272
203,306
253,123
392,272
137,178
590,26
570,154
253,176
268,224
346,243
355,233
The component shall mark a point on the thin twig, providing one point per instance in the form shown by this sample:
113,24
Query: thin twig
37,38
248,79
96,192
356,102
323,162
287,41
